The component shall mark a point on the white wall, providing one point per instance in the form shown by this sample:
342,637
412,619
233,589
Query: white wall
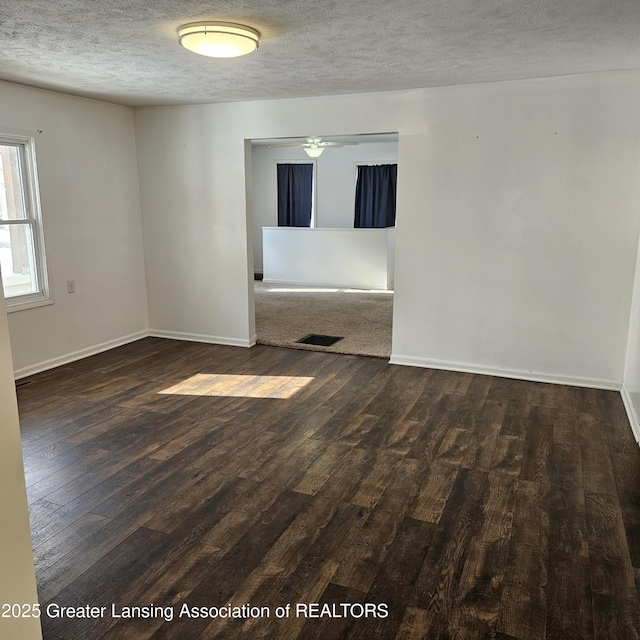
17,576
357,258
335,184
517,221
527,249
196,231
92,225
631,387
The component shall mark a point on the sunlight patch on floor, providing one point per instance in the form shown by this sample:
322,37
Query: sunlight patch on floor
301,290
323,290
239,386
388,291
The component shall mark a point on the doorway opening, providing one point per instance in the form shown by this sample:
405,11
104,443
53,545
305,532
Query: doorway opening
329,278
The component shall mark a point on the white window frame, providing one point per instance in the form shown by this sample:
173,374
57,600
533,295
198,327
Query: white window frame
25,141
314,222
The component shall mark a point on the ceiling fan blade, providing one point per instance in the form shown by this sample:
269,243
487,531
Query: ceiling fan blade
311,143
288,144
335,144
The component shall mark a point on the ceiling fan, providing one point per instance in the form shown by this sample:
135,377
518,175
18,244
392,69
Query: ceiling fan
313,146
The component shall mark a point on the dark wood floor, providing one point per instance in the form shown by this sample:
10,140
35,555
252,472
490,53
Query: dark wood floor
471,506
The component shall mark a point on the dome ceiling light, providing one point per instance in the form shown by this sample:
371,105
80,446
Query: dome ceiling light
218,39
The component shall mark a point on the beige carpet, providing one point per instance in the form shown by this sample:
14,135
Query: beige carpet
286,313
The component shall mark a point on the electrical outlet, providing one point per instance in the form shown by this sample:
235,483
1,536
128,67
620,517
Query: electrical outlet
71,286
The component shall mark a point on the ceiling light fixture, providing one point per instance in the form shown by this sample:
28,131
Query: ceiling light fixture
314,152
218,39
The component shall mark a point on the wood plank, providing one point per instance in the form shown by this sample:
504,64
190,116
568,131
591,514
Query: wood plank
481,584
293,545
566,429
462,520
310,592
396,579
523,610
75,533
616,608
432,499
333,627
514,422
598,476
569,611
321,470
403,487
401,391
413,624
537,446
566,501
174,567
356,464
373,484
507,455
65,515
338,534
361,560
480,452
428,442
219,580
626,469
103,586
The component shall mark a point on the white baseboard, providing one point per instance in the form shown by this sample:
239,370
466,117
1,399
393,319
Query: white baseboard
196,337
533,376
254,340
634,420
118,342
77,355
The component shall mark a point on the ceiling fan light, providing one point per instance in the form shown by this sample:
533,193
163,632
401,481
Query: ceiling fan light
218,39
314,152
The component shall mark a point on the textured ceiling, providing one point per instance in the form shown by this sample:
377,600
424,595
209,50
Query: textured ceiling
126,51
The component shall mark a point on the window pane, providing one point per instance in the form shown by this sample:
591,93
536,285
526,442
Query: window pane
17,260
11,188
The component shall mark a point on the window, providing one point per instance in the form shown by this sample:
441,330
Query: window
295,194
376,196
22,261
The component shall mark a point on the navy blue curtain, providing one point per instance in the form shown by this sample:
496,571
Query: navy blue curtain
376,196
295,189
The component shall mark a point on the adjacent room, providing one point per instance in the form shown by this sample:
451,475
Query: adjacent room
169,470
324,242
